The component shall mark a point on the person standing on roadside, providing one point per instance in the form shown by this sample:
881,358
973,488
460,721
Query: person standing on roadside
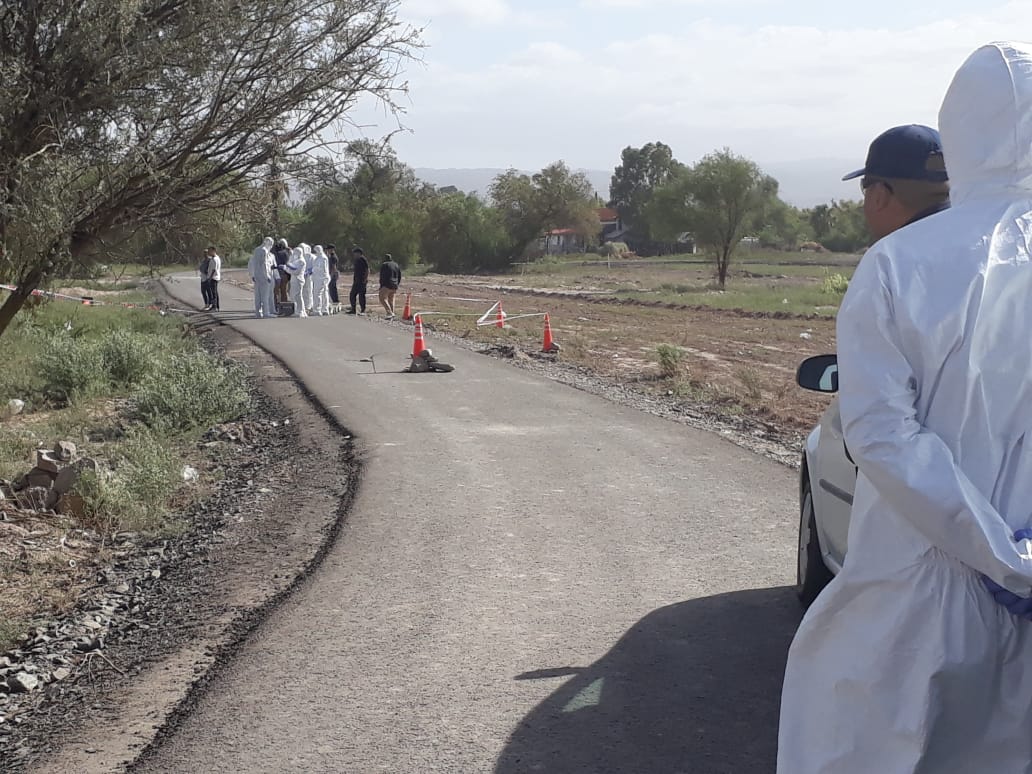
917,658
390,281
282,255
262,267
214,277
359,282
202,269
334,263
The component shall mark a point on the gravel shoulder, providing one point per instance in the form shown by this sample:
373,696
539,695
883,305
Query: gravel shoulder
128,661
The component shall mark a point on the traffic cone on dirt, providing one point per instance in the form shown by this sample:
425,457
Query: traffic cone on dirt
500,319
407,312
549,344
418,344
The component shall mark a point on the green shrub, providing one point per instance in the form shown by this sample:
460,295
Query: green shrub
71,368
835,284
128,356
134,496
671,359
191,390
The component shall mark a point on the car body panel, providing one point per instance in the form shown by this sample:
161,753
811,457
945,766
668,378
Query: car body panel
832,477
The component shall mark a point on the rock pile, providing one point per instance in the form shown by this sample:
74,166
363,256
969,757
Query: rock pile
50,485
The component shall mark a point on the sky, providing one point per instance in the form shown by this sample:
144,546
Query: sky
522,83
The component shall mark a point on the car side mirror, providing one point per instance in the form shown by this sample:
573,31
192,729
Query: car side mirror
819,373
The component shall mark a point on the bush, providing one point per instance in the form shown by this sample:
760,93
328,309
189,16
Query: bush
128,357
670,359
191,390
614,249
71,368
835,284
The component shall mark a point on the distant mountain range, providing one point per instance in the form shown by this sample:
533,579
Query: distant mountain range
802,183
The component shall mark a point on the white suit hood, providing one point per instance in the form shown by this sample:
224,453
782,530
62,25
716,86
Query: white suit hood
989,157
906,663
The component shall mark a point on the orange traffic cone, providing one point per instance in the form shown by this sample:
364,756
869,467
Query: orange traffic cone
549,344
418,344
500,319
407,312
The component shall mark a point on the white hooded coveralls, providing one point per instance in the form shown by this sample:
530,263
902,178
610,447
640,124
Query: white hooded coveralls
261,268
321,280
906,664
309,287
297,268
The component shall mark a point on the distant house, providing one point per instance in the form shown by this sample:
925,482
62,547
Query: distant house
563,240
611,224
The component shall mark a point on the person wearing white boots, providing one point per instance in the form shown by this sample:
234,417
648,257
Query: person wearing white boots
306,251
321,281
296,268
261,268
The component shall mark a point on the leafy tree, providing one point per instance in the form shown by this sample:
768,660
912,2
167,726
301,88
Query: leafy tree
719,200
116,115
640,172
848,231
821,220
462,234
785,226
555,197
375,201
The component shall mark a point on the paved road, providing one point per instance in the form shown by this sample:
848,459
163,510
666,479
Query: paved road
532,580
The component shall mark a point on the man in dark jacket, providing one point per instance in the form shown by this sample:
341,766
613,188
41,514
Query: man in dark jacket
390,280
281,252
334,262
359,282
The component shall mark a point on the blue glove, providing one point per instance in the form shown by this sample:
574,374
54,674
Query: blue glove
308,273
1019,606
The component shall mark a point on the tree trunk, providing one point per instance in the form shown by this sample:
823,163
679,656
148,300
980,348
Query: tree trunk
16,300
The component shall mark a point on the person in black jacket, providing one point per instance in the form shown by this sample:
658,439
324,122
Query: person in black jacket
281,252
359,282
390,280
334,262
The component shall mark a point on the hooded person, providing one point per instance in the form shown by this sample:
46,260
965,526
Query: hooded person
321,281
306,251
917,657
262,269
296,268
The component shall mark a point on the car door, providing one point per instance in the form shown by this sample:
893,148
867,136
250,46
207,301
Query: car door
836,482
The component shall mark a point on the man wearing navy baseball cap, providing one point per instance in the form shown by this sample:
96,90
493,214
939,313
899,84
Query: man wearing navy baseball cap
904,179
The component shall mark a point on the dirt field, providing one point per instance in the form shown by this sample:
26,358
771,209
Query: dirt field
741,360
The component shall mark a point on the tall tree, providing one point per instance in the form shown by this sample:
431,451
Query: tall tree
719,201
119,114
555,197
463,234
640,172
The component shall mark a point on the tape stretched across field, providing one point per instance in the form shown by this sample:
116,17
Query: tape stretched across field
82,300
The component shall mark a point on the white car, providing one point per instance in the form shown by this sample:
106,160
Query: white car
827,478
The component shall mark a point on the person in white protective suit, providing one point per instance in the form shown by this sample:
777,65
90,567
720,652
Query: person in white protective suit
917,658
296,268
309,287
261,268
320,281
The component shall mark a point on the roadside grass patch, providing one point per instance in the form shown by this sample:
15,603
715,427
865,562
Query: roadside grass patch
131,389
670,358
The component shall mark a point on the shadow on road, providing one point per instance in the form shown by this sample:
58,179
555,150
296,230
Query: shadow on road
692,688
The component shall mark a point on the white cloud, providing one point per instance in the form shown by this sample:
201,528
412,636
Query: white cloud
773,93
474,11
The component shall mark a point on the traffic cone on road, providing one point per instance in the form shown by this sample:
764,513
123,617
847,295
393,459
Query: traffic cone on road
549,344
500,319
418,344
406,313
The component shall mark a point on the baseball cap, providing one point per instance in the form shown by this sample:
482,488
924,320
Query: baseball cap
911,152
